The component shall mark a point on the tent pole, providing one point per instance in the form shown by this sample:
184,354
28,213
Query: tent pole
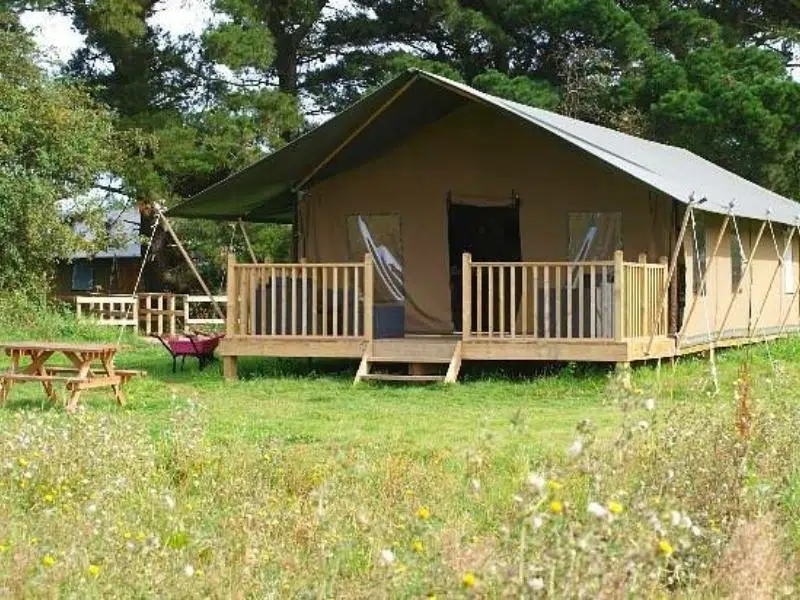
247,242
702,287
191,264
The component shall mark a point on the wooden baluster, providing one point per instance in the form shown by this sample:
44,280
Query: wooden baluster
294,304
535,290
263,278
501,282
490,300
304,275
593,301
546,299
283,301
570,289
346,302
244,316
273,275
466,296
314,295
512,301
369,297
356,301
335,287
619,308
324,301
230,290
581,302
479,299
558,287
524,300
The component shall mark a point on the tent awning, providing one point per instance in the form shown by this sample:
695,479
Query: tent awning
266,190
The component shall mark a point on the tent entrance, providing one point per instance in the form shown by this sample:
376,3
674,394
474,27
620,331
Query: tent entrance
488,233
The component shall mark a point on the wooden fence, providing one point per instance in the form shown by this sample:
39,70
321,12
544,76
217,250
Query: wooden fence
152,313
323,300
562,300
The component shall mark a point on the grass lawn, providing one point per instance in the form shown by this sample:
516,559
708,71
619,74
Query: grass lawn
295,483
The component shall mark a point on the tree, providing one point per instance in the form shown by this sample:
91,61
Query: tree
55,142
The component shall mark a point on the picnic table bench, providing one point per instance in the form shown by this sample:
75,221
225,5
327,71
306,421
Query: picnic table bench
92,367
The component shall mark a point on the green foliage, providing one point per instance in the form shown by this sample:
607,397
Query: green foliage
54,143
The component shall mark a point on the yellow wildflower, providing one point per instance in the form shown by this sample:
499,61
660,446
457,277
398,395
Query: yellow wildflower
417,546
22,462
556,507
432,597
34,540
94,570
423,512
48,561
140,536
614,507
3,548
469,579
554,485
127,535
267,458
49,498
665,548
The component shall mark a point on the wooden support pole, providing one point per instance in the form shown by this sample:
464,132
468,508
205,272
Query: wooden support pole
232,292
774,277
466,295
703,279
369,297
619,309
745,272
247,242
672,266
191,264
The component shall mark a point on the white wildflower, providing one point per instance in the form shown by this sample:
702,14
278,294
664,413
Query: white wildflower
598,510
91,509
696,532
188,570
169,501
475,486
536,521
386,558
650,404
675,518
536,482
643,425
686,522
575,449
536,584
517,499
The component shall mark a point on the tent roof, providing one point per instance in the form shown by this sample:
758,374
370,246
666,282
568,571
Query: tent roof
265,191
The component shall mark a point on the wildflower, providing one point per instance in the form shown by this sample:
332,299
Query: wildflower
49,498
169,501
94,571
556,507
675,518
48,561
536,584
387,557
3,548
597,510
469,579
417,546
536,482
575,449
22,462
423,513
475,486
536,521
188,570
554,485
650,404
614,507
665,548
267,458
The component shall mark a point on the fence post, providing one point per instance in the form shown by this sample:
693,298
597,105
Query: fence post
369,297
466,295
232,290
619,328
135,315
77,308
644,311
172,317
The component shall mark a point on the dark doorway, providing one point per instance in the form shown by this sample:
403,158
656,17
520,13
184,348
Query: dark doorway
488,233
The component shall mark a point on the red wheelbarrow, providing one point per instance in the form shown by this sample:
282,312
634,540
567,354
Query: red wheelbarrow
197,344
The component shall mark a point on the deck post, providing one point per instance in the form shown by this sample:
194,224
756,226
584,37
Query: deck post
369,297
645,296
662,288
230,313
466,295
619,330
230,368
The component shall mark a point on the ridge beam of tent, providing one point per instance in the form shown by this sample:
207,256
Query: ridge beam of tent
583,311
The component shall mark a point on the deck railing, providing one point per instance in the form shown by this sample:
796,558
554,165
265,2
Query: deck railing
562,300
319,300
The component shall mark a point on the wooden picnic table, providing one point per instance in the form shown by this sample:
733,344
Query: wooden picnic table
92,367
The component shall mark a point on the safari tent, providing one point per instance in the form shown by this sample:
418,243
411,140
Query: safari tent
434,223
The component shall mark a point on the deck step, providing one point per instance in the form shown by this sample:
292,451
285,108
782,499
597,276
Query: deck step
403,378
400,359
